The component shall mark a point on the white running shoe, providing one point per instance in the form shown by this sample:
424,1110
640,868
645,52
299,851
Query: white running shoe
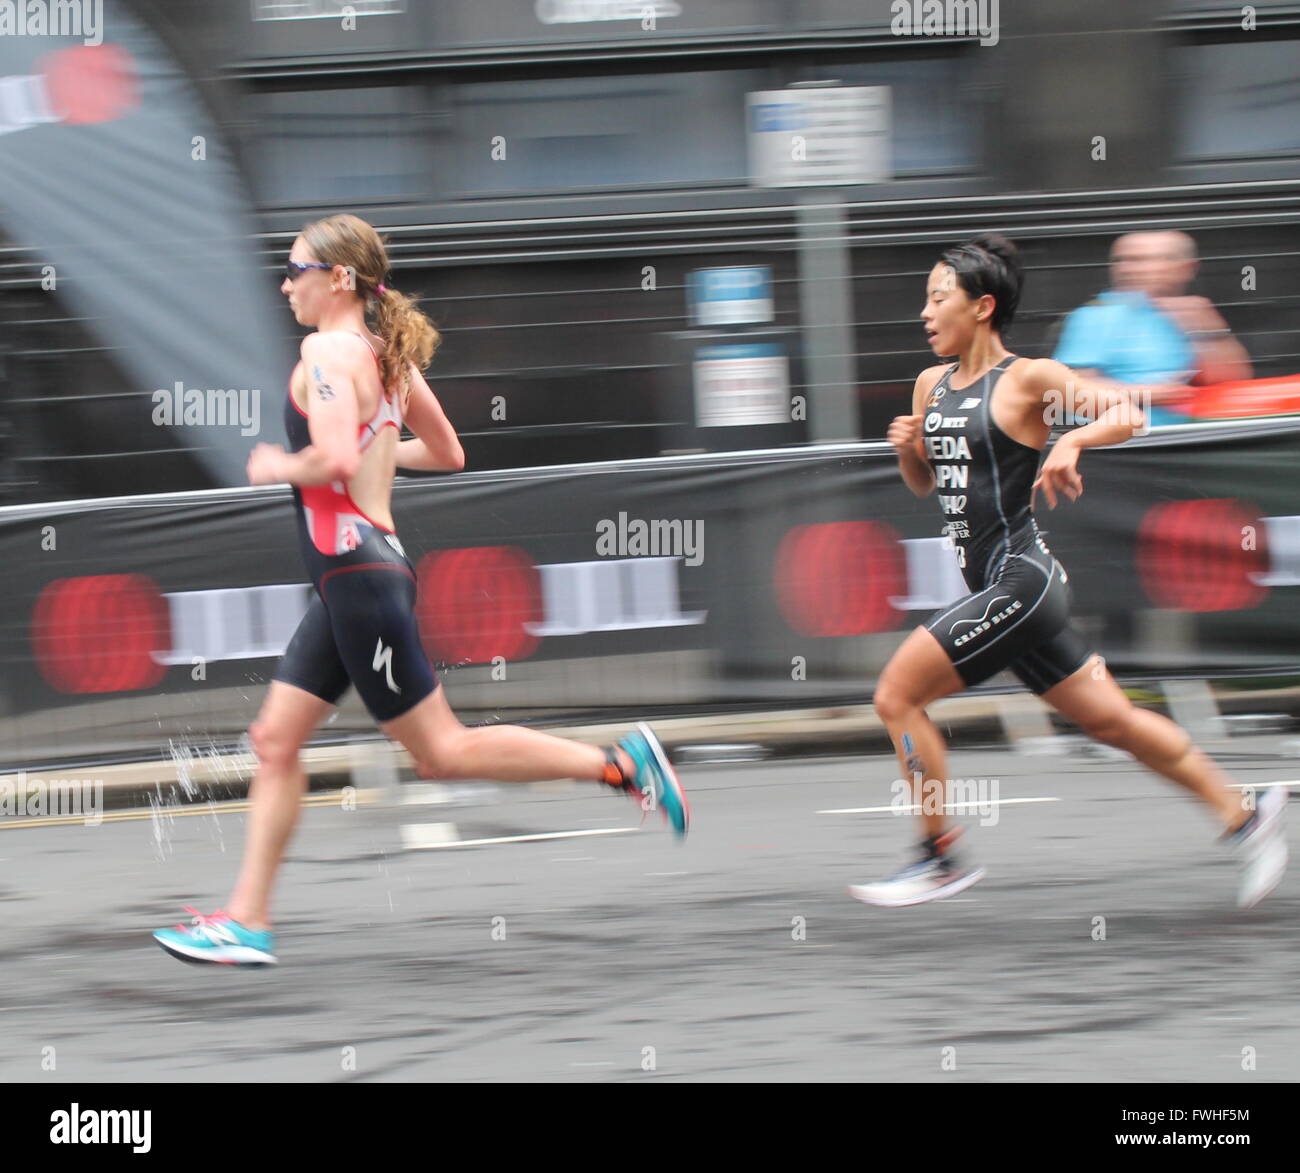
934,876
1260,847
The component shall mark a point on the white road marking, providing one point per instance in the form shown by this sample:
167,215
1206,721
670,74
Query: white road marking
419,835
407,836
963,807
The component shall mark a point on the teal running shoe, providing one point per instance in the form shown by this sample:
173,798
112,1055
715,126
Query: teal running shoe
655,786
217,940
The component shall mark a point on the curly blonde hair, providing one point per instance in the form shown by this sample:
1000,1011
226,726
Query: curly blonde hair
409,336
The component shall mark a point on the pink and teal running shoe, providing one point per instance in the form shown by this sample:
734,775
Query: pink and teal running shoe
217,940
655,786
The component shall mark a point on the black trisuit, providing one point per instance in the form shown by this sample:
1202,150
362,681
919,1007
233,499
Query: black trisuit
1018,616
360,626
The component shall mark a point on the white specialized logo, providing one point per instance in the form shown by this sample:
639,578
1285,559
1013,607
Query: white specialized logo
384,659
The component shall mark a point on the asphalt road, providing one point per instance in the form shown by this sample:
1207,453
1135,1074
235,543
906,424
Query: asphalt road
626,956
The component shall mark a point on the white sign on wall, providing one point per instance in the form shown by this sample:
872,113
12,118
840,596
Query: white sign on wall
741,385
819,136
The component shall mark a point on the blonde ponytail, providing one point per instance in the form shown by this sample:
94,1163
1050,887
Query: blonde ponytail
409,336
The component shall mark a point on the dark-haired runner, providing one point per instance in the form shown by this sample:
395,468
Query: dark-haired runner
976,432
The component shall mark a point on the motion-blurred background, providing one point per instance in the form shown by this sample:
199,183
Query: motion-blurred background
529,162
669,232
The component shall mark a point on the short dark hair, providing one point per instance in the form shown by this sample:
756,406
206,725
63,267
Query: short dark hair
989,264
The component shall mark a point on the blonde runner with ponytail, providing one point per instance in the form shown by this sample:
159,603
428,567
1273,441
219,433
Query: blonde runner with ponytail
409,336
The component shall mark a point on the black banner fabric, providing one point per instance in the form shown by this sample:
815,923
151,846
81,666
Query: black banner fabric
772,579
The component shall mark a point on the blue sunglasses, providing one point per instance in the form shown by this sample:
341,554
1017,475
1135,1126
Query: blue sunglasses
295,269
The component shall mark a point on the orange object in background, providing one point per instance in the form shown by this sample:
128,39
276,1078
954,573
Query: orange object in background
1222,401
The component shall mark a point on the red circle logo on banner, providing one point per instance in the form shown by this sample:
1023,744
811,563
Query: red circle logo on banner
473,604
100,633
837,578
1200,555
90,83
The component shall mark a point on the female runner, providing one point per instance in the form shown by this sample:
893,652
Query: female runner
348,399
975,434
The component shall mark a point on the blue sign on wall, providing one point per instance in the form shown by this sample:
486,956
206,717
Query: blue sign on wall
730,297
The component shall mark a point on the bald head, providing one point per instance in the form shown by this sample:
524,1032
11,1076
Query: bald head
1159,264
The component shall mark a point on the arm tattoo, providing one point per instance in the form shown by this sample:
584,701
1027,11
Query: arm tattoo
323,389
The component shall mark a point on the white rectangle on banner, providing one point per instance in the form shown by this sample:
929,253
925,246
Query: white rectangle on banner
324,9
815,137
740,386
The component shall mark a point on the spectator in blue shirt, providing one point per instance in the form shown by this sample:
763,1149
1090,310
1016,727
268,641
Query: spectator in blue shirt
1146,331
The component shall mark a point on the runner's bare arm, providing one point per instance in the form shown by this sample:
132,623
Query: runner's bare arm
1173,395
1112,409
906,435
436,448
332,413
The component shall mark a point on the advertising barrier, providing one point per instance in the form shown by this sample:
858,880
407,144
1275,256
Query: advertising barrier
782,578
